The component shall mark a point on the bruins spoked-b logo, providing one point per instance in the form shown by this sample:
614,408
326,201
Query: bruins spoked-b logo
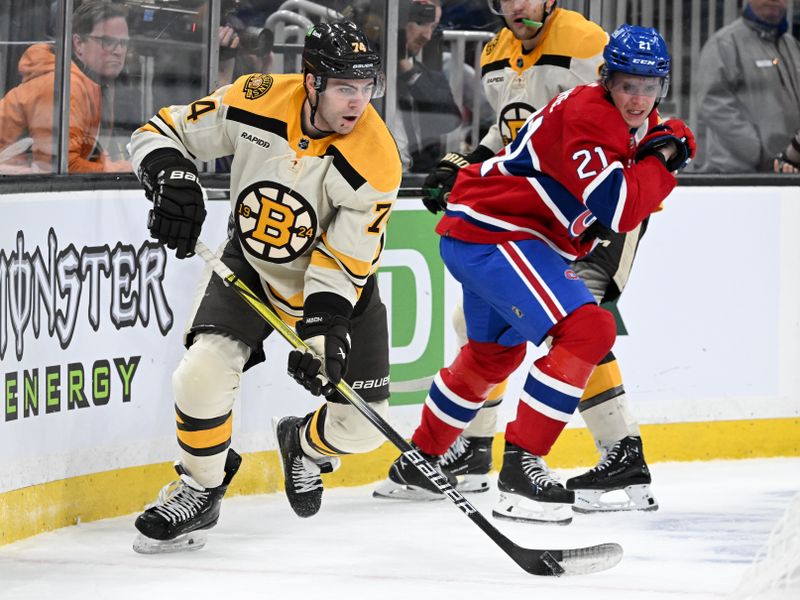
257,85
512,119
274,223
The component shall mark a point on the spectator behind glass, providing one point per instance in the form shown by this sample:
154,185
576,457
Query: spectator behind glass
748,81
99,47
468,15
245,46
426,109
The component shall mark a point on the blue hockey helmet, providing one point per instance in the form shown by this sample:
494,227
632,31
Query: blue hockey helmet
637,50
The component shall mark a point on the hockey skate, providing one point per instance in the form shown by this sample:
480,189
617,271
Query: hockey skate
470,460
405,482
301,474
183,513
620,472
529,492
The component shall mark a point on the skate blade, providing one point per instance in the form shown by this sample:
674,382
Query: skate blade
388,489
472,484
194,540
630,498
521,509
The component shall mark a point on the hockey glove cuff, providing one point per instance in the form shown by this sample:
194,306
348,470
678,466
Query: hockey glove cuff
178,209
671,132
153,164
326,330
328,338
440,181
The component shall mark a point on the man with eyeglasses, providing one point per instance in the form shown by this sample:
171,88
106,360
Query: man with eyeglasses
99,48
314,176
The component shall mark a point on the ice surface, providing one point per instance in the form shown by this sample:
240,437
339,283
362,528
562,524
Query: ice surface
714,517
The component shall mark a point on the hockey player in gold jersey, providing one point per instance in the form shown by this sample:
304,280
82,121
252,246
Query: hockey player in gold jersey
542,51
314,175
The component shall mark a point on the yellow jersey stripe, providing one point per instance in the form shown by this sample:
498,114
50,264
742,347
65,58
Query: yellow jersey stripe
209,437
605,377
316,439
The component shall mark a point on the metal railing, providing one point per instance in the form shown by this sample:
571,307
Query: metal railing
685,24
458,47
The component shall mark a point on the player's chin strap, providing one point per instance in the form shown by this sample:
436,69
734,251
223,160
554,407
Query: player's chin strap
578,561
319,86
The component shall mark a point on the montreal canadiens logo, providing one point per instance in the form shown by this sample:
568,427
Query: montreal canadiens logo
274,223
570,274
581,223
512,119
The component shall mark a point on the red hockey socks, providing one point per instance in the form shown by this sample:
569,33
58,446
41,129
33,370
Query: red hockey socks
556,381
459,391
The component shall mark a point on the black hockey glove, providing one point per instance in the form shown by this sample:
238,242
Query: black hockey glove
671,131
328,338
440,181
178,212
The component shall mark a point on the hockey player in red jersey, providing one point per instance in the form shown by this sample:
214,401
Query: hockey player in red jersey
542,51
512,224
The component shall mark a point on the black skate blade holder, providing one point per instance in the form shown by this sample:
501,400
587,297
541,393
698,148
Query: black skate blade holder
546,562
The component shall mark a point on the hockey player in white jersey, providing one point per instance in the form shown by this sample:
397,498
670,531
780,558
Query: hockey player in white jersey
542,51
314,175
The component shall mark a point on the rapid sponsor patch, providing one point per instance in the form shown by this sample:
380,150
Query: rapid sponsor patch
255,140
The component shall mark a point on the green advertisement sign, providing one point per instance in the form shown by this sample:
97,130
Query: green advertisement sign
412,281
415,275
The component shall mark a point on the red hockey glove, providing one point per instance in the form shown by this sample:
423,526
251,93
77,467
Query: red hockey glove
674,132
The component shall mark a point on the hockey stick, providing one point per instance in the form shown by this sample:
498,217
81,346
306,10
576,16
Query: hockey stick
577,561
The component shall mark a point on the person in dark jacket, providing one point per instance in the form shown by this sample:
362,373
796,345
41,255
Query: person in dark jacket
426,108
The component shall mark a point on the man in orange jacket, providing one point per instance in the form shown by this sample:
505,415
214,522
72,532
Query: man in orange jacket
99,47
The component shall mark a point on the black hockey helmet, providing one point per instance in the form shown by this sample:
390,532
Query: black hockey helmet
342,51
